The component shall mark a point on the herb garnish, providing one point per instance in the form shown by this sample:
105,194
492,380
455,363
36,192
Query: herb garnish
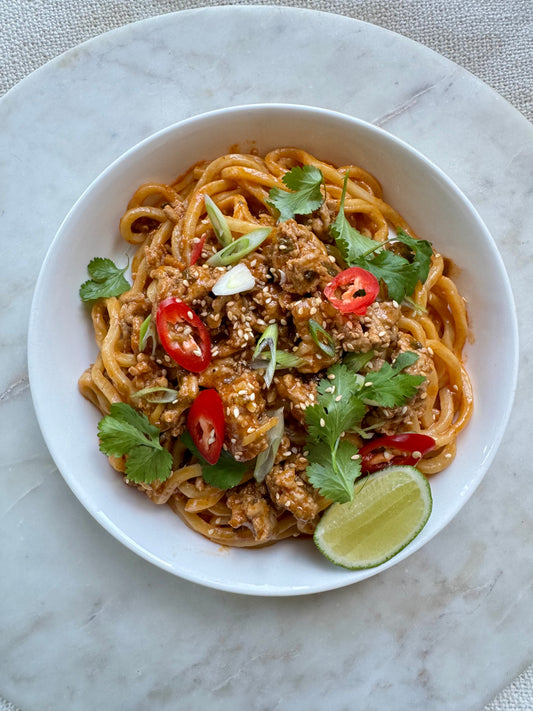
307,196
106,280
225,474
125,431
343,400
401,275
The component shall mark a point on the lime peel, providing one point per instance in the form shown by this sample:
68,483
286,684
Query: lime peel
388,511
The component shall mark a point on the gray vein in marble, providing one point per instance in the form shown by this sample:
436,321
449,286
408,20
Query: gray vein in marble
411,101
15,389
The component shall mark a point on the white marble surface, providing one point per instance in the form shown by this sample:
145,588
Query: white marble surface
87,624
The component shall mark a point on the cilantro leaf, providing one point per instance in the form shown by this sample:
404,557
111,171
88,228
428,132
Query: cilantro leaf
147,464
421,251
106,280
306,184
351,243
389,386
125,431
339,487
337,409
225,474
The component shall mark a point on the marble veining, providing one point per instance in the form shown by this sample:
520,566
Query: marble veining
87,624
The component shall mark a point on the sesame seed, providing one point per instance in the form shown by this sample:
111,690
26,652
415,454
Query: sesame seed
382,334
331,389
355,457
367,385
190,315
236,412
331,376
322,422
338,398
331,259
448,455
417,454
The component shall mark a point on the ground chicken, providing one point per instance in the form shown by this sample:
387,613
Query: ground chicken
301,257
289,490
249,507
377,329
244,409
296,393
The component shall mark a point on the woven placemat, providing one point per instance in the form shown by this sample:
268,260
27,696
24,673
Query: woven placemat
490,38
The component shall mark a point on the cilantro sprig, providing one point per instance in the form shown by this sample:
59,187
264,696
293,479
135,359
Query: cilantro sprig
225,474
338,409
400,274
344,397
305,182
126,431
106,279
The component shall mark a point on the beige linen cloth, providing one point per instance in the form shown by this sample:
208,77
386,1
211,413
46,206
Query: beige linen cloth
493,39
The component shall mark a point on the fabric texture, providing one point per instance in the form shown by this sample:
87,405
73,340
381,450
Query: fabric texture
492,39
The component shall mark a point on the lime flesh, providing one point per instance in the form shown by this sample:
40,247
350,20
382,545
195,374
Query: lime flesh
388,511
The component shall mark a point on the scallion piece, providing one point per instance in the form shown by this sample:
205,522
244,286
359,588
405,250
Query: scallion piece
265,460
239,248
239,278
283,360
147,331
269,339
321,338
218,222
157,394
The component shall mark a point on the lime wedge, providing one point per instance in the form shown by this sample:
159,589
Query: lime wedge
388,510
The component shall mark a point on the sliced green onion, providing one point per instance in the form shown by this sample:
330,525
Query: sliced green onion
239,248
239,278
283,360
269,339
218,222
157,394
322,338
413,305
265,460
356,361
147,331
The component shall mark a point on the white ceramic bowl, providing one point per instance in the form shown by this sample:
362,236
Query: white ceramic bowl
61,342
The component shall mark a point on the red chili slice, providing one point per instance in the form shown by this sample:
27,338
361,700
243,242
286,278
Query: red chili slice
183,335
206,424
405,448
361,290
197,250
